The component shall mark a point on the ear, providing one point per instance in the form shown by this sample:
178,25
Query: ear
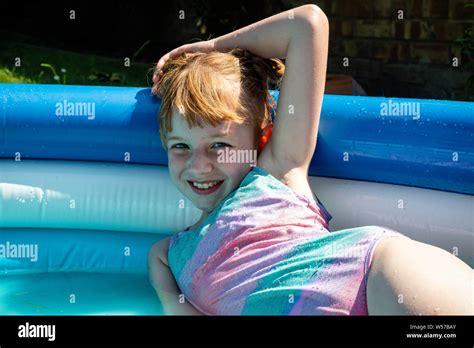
266,134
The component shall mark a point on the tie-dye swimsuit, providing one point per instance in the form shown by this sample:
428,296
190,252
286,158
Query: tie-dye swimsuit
267,250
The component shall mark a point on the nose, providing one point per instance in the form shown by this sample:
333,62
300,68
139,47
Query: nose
200,162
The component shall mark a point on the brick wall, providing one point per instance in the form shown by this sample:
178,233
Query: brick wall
408,57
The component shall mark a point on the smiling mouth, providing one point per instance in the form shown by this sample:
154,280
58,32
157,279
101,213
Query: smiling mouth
205,188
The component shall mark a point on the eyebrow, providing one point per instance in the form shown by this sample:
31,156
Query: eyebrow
216,135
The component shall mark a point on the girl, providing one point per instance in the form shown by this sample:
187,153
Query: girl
262,245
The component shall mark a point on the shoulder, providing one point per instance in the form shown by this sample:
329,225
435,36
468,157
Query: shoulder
410,278
160,250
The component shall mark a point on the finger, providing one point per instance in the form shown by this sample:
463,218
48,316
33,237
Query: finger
156,91
178,51
157,76
174,53
162,61
158,70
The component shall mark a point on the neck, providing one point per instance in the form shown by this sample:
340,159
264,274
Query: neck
204,215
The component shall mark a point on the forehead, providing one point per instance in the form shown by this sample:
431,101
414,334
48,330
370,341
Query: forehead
226,128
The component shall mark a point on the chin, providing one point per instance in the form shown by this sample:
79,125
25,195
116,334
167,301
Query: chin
205,204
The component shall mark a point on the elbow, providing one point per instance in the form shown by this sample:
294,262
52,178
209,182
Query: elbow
315,17
154,264
153,255
153,251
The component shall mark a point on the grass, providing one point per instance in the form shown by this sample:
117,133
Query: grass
9,76
41,64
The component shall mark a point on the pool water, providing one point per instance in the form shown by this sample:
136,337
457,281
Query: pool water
78,294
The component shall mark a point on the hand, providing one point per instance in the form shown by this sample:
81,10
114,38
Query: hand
202,46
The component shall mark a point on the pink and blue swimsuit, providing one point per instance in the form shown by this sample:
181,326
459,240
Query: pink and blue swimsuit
267,250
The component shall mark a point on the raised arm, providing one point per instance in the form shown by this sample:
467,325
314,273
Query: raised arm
301,36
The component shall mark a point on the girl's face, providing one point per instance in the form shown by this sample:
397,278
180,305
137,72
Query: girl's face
198,156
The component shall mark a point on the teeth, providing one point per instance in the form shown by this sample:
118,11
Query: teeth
205,185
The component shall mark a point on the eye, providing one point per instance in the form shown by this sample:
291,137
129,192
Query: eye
221,145
179,146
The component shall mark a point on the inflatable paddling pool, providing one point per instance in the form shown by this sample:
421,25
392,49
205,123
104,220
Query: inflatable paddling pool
85,192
